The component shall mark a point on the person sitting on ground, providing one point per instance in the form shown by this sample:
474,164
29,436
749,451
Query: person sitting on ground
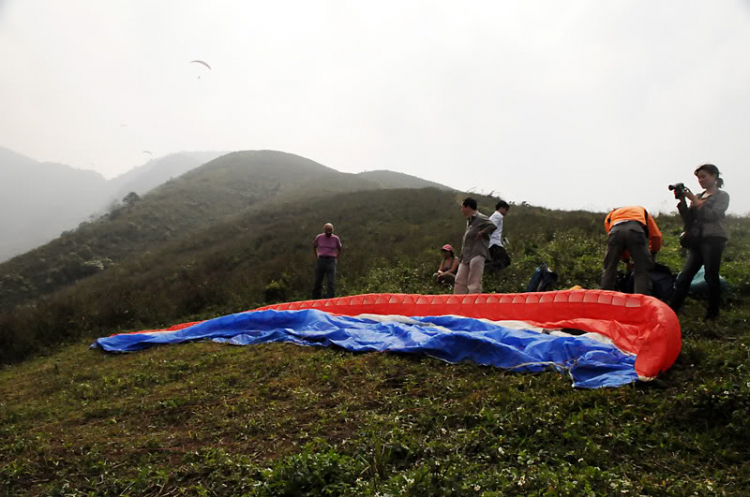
446,272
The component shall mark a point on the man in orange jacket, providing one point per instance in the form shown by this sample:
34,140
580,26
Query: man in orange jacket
629,230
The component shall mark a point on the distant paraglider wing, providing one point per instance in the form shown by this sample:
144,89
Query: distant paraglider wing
200,62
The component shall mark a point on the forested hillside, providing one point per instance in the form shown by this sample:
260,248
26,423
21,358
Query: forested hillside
232,185
391,179
158,171
39,200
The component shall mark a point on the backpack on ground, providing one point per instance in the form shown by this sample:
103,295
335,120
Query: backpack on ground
543,280
699,287
662,282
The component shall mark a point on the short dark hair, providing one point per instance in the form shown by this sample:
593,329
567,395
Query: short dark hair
712,170
470,202
502,205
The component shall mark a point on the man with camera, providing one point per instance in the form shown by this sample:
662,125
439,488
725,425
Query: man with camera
632,233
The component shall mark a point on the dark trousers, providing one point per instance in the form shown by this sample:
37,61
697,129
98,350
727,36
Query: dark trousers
629,236
707,254
499,258
325,267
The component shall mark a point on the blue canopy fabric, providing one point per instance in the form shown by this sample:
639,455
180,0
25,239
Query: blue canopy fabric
590,363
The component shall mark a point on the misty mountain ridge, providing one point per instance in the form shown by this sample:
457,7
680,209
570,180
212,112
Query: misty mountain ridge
40,200
233,186
153,173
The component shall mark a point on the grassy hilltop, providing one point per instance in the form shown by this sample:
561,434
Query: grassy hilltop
209,419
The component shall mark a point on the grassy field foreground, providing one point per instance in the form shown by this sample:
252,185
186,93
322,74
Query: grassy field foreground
210,419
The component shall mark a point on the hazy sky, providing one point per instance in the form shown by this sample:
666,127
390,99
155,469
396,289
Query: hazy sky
566,104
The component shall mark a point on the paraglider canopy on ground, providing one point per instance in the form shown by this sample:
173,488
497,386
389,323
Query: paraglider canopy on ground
617,338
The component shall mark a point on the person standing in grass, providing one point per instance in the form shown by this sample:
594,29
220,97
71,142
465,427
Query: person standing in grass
327,248
499,257
475,249
709,210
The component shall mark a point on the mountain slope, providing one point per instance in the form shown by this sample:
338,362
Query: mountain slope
393,179
234,264
157,171
40,200
198,199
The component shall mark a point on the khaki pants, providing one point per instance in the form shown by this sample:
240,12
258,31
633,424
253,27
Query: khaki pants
469,277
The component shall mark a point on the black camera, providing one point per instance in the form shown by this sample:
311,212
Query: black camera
679,189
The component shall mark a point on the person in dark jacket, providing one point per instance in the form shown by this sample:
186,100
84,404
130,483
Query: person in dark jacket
708,208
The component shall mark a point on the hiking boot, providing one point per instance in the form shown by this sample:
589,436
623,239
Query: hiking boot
711,317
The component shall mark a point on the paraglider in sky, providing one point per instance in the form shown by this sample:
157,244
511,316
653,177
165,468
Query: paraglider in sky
147,152
599,338
200,62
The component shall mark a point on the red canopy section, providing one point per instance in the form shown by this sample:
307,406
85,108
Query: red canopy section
638,324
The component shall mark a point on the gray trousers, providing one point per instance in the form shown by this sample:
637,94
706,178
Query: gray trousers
630,236
469,277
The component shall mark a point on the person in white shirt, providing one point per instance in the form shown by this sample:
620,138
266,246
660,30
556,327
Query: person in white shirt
499,257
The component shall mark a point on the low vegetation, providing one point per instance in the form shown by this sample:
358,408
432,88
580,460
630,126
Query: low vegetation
209,419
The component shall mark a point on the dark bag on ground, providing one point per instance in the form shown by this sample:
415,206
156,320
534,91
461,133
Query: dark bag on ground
662,282
543,280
